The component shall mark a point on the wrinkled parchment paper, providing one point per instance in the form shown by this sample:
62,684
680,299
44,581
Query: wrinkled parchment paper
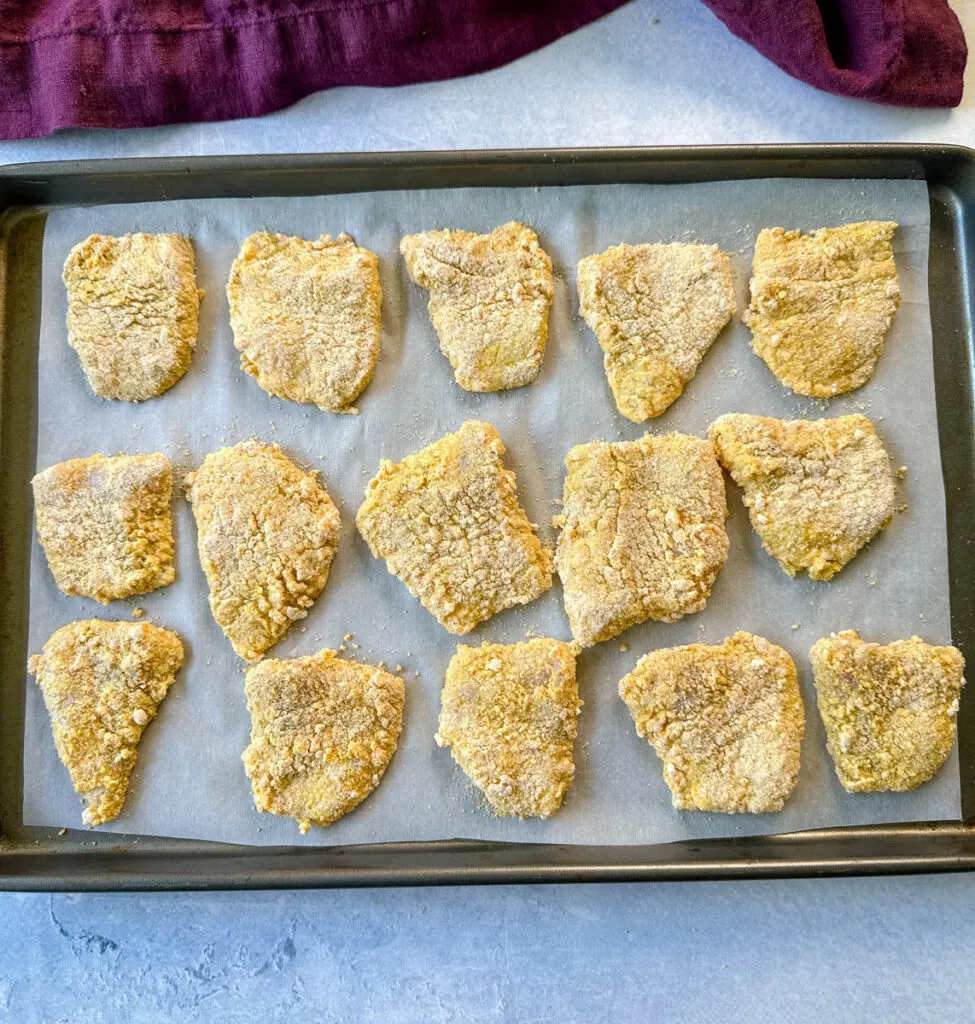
189,781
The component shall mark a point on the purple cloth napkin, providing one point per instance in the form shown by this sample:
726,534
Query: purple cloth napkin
908,52
131,63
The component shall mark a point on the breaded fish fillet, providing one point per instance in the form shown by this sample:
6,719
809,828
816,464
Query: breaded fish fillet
508,712
133,308
105,524
448,523
816,490
655,309
890,712
305,317
323,732
727,722
102,684
490,297
642,532
822,304
266,534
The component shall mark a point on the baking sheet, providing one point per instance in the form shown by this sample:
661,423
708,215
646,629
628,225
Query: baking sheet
189,781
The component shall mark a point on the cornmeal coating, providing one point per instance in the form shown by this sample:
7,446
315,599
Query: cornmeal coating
816,490
448,523
822,304
642,532
727,722
133,308
266,535
508,712
890,712
323,731
656,309
306,317
102,684
105,524
490,297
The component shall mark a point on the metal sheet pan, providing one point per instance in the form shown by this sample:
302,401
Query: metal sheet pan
32,858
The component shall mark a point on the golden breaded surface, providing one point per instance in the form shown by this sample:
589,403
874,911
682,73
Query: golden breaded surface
642,532
133,308
105,524
822,304
508,712
323,732
727,722
448,523
305,317
816,490
266,535
890,712
489,301
656,309
102,684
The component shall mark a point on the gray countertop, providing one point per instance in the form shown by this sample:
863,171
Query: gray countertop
656,72
845,950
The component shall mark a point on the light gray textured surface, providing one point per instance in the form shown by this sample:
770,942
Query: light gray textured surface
870,949
891,950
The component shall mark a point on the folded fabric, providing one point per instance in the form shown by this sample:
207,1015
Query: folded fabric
118,64
907,52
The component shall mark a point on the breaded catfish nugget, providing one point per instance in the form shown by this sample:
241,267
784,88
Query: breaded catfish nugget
816,491
448,523
508,712
306,317
822,304
890,712
323,731
105,524
133,309
103,683
726,721
266,535
490,297
656,309
642,532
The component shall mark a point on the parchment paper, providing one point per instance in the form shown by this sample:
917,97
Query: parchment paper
189,781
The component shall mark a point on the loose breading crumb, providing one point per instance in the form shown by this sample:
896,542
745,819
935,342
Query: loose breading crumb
490,297
656,310
105,524
266,533
890,712
509,714
642,532
816,491
306,317
726,721
822,303
103,683
448,523
323,732
133,310
137,613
